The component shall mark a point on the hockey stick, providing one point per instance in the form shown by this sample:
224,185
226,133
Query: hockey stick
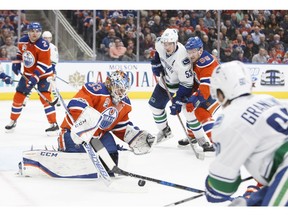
194,197
102,152
66,82
52,103
198,155
185,200
90,151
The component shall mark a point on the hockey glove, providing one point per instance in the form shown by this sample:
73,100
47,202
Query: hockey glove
16,67
53,69
250,189
7,79
176,107
214,196
194,101
34,79
140,141
157,67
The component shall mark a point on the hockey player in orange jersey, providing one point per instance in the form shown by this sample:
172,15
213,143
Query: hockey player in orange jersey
34,52
113,106
201,102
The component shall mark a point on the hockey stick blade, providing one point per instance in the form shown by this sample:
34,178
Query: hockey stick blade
185,200
53,103
169,184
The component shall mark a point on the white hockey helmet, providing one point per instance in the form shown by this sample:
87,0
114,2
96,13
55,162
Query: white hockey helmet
232,78
169,35
47,36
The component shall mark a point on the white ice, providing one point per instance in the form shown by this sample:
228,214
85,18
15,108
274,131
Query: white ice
166,162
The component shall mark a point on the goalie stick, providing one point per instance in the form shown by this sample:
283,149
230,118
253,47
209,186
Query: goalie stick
52,103
199,155
101,150
89,150
195,197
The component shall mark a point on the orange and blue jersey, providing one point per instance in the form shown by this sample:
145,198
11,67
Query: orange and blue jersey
96,95
35,56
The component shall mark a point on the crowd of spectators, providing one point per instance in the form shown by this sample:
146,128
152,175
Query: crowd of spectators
253,36
257,36
9,32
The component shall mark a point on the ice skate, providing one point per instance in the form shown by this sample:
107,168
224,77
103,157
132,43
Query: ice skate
53,130
11,126
184,143
165,134
208,149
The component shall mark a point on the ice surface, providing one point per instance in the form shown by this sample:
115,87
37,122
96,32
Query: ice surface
166,162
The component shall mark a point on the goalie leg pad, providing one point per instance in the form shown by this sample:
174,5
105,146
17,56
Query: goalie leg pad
140,141
56,164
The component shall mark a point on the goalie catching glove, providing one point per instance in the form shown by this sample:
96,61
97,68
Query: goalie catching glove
140,141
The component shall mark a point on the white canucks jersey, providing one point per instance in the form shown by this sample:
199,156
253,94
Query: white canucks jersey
177,67
54,54
259,127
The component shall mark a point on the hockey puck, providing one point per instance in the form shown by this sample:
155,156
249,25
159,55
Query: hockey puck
141,183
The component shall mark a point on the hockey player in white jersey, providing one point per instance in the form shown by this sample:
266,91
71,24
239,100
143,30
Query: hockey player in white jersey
172,63
252,131
54,57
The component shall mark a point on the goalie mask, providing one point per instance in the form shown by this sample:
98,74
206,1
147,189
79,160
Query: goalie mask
34,31
118,85
233,79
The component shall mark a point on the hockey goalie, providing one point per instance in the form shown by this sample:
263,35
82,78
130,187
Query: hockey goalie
97,111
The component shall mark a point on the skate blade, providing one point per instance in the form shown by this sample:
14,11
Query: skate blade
210,154
52,133
164,139
9,130
183,146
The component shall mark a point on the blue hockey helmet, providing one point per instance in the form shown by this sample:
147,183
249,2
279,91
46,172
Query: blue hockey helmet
34,25
194,43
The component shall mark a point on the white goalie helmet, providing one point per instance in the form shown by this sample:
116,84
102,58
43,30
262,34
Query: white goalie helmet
47,36
170,36
232,78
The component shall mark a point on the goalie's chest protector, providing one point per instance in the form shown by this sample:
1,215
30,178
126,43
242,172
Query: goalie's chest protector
102,102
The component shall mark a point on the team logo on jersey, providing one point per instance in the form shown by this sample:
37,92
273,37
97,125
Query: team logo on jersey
108,117
28,59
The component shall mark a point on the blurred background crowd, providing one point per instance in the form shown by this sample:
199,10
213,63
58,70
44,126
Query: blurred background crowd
252,36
